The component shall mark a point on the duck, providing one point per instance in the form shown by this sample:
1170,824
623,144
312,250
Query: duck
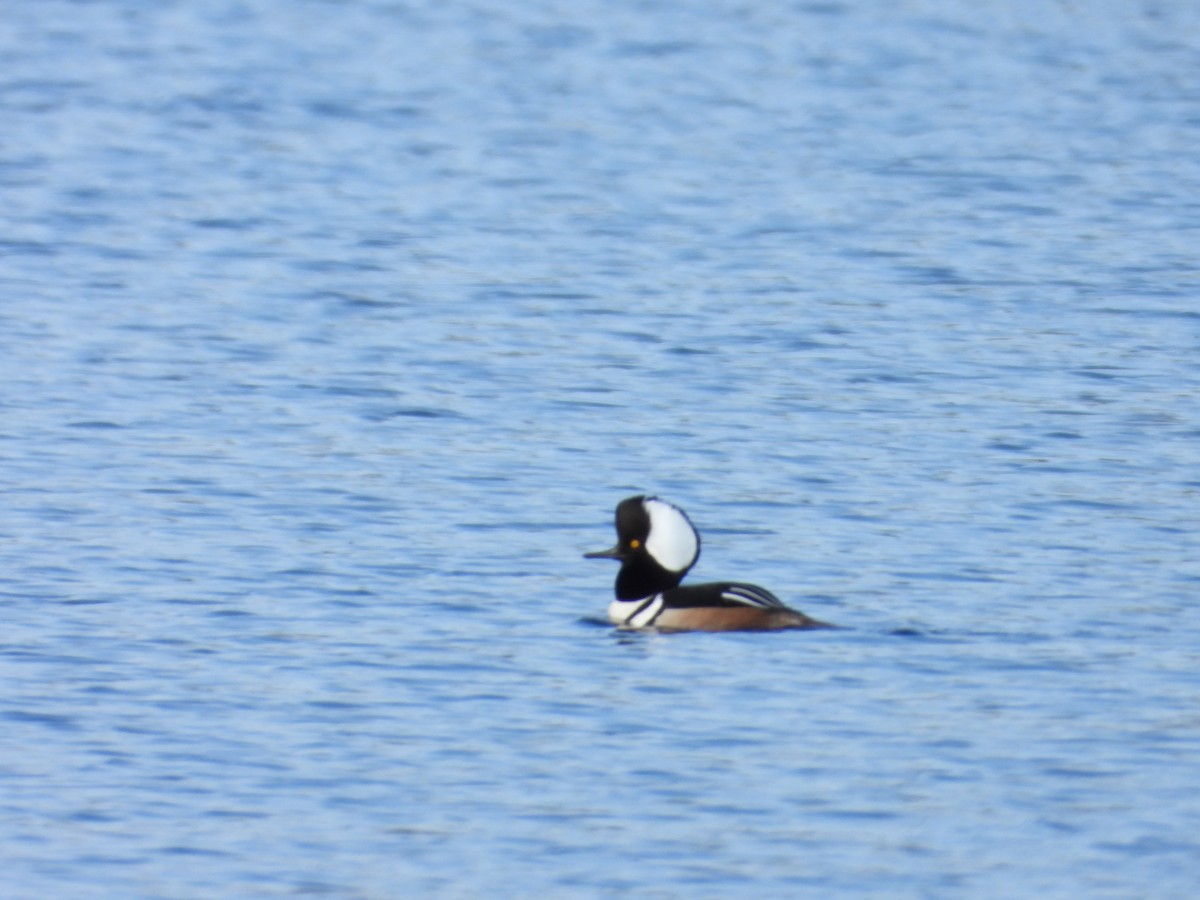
657,545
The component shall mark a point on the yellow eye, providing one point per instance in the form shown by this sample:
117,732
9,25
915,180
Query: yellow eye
634,544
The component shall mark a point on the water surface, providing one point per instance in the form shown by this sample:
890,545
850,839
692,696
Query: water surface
334,331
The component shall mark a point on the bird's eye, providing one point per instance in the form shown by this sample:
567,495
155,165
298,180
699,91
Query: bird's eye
634,544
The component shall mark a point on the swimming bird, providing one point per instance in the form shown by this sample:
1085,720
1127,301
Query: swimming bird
656,546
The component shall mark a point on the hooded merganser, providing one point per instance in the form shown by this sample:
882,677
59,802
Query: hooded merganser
657,544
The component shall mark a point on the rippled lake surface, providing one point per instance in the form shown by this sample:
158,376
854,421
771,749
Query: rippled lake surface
333,332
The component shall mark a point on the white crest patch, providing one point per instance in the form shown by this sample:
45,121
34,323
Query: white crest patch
672,541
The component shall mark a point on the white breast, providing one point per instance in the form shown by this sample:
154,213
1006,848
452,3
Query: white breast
635,613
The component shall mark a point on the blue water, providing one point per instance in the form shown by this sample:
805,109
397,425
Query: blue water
333,331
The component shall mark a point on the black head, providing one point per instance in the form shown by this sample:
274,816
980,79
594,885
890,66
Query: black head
656,544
